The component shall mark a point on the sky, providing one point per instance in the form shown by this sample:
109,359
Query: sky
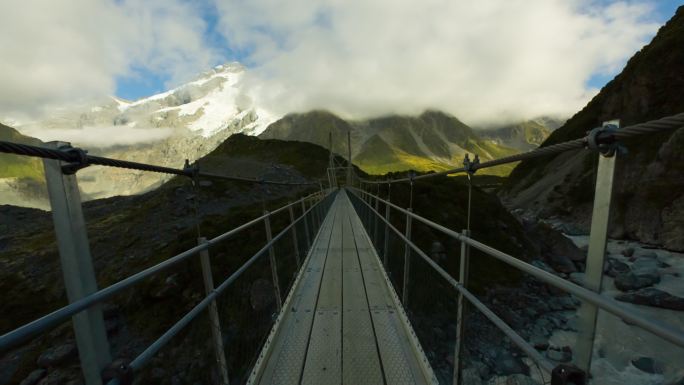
485,61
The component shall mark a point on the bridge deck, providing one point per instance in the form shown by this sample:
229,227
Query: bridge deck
341,323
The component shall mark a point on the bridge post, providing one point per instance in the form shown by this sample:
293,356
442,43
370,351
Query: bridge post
375,222
216,334
460,317
272,258
386,247
596,254
306,225
294,234
407,260
77,266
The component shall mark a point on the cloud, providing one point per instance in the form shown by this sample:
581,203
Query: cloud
63,52
483,61
102,136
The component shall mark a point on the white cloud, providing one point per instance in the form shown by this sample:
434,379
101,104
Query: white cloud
71,51
483,61
101,136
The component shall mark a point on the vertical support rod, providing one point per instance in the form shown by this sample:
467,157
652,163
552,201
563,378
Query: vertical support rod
595,258
77,266
375,223
294,236
386,247
306,225
460,317
213,314
407,260
349,159
272,258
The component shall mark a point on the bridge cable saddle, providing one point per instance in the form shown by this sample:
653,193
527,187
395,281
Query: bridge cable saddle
601,139
471,166
80,159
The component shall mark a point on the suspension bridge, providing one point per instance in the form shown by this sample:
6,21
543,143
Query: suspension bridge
340,319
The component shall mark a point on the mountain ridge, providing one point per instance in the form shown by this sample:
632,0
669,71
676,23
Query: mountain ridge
431,141
649,179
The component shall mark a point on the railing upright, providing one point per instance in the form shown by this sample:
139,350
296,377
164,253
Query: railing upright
306,225
407,260
77,264
294,235
387,229
214,319
272,259
596,254
460,316
375,224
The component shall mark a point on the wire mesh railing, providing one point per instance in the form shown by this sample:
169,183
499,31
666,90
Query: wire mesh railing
369,207
246,298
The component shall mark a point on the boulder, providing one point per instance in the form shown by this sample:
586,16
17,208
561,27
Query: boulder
653,297
56,356
559,354
505,363
470,376
632,281
648,365
614,267
34,377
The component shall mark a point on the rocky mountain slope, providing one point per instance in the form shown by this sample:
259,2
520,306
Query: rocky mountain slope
433,141
649,184
186,122
21,178
523,136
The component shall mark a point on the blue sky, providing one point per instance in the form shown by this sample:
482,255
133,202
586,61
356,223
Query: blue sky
145,82
662,13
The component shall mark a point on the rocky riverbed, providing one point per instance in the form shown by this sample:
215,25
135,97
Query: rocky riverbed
644,279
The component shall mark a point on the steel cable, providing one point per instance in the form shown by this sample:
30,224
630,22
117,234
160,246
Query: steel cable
77,156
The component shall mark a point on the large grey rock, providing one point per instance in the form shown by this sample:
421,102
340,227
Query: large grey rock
57,356
470,376
505,363
34,377
653,297
632,281
559,354
614,267
648,365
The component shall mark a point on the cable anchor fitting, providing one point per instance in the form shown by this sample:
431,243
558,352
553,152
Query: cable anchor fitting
602,140
80,161
191,170
471,166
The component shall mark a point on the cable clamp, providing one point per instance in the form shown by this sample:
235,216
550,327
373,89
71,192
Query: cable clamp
470,166
191,170
602,140
80,161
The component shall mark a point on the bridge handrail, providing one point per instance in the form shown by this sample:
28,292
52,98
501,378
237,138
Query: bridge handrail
515,337
21,334
657,328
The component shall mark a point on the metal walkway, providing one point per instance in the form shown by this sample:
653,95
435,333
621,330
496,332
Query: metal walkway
342,323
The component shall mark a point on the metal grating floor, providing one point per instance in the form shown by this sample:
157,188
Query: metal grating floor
342,323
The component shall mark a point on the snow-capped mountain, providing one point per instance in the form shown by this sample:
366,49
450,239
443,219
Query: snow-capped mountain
186,122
